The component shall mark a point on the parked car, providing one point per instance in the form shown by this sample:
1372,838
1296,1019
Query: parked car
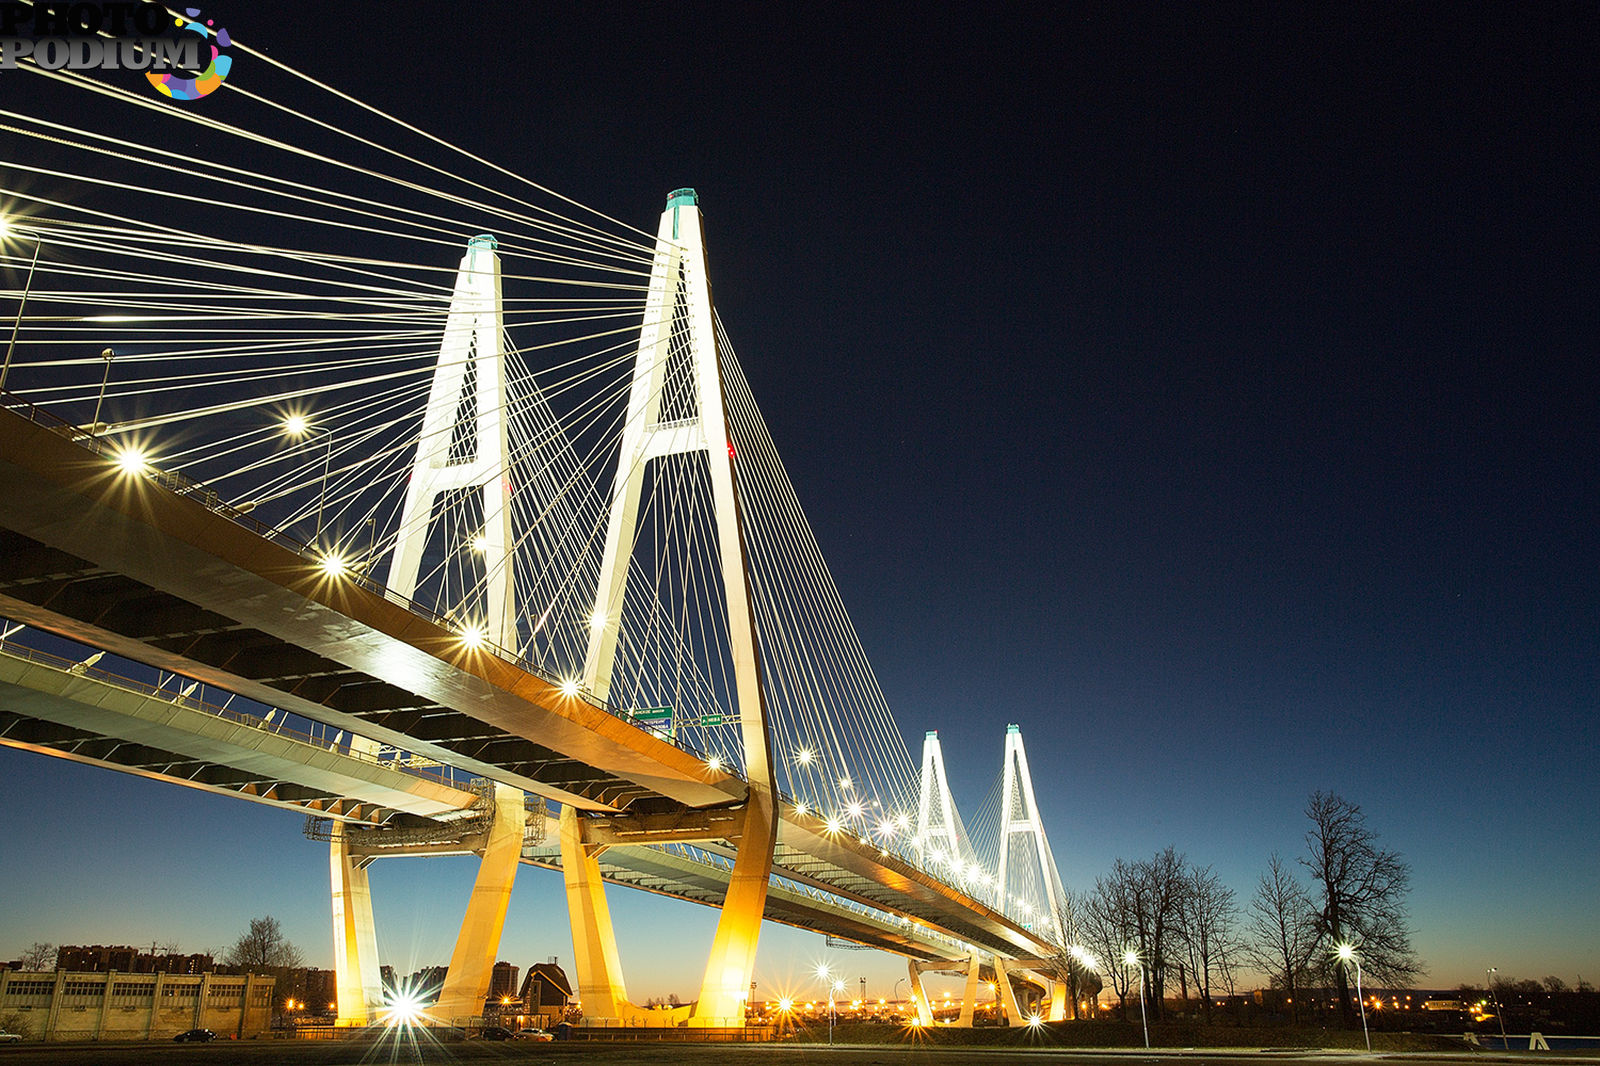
538,1035
8,1038
195,1036
495,1032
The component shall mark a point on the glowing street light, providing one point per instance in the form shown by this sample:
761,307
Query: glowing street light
1500,1015
1131,958
833,986
1347,955
297,426
132,461
94,423
6,230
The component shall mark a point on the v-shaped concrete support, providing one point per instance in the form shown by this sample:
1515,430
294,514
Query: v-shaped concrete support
680,286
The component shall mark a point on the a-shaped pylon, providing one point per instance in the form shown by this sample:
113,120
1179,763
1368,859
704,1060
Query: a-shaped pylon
680,296
1019,816
938,824
472,342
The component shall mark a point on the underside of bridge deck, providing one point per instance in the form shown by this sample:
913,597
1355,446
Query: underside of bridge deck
59,592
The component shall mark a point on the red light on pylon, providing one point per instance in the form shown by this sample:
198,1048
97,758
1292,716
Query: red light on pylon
730,449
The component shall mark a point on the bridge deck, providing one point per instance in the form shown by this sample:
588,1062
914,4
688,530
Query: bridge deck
149,568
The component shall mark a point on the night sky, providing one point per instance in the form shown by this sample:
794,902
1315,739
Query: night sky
1212,394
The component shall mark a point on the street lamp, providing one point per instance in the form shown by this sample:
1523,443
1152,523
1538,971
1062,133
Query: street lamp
6,229
1348,955
823,975
298,426
94,423
1499,1014
1129,959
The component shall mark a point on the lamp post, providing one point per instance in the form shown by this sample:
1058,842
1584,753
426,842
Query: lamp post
5,230
297,426
1130,959
94,423
1348,955
823,976
1499,1014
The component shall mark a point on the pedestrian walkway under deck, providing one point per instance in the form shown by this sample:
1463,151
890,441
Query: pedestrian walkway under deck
89,715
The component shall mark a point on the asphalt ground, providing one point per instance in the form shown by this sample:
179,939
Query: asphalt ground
406,1051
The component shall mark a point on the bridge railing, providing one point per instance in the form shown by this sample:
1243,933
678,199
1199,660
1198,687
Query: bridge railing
177,699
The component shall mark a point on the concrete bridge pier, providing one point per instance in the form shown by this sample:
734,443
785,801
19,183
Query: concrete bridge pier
918,995
355,943
597,967
466,982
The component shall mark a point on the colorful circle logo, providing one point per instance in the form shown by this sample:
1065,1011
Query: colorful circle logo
210,79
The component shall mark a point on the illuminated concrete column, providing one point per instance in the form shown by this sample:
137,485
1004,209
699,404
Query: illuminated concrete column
466,982
918,996
680,291
472,340
598,968
1008,994
1058,1002
969,999
355,943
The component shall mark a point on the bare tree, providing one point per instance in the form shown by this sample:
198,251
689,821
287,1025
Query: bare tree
1363,889
1161,884
1135,908
1207,914
1280,934
1554,985
39,956
1105,924
1073,962
264,947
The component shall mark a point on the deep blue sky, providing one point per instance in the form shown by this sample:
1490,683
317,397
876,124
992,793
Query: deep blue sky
1212,394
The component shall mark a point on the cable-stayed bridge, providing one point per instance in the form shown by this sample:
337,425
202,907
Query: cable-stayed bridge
462,559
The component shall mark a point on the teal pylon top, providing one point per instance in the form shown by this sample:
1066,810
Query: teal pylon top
683,198
483,240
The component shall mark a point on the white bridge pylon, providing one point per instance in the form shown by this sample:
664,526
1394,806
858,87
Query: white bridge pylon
472,342
472,348
941,831
938,824
1019,816
680,284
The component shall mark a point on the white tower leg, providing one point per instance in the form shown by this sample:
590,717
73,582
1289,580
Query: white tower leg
919,997
598,968
969,998
466,982
472,335
1008,992
359,990
1017,789
680,266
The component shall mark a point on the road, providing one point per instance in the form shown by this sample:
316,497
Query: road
363,1053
